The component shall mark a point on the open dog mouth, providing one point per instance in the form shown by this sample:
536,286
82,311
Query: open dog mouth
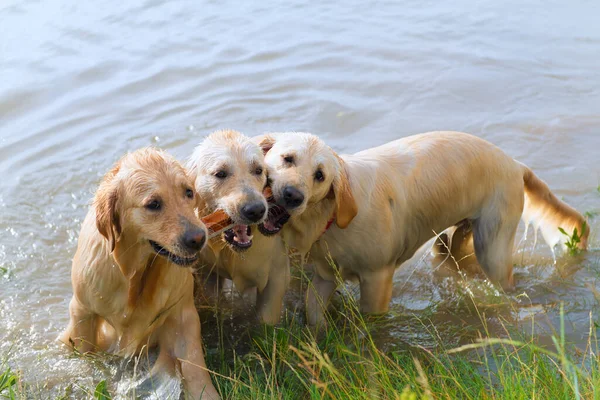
239,237
179,260
276,218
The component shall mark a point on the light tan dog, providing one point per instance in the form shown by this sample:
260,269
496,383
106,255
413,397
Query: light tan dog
229,174
389,200
132,285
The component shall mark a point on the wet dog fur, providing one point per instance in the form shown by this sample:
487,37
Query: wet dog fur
229,173
131,275
389,200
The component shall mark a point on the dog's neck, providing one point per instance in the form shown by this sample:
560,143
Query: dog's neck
303,230
141,269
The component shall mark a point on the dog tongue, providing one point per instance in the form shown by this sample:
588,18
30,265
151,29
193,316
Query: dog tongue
270,225
241,234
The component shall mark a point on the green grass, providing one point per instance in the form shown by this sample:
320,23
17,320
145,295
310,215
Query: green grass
101,391
343,361
572,240
8,383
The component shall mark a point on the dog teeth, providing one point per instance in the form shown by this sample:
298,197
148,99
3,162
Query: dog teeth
238,240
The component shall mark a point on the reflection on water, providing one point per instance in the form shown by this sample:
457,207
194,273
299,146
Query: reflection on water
84,82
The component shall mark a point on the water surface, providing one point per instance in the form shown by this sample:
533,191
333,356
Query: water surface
83,82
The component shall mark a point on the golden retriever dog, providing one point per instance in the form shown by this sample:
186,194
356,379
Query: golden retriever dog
229,173
131,275
387,201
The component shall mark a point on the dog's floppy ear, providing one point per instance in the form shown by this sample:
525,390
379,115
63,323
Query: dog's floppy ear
346,208
266,142
108,221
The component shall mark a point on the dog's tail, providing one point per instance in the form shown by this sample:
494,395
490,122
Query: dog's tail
551,215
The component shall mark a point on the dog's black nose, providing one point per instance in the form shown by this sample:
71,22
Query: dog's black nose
292,197
194,239
254,211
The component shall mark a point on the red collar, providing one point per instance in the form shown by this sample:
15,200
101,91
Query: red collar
329,223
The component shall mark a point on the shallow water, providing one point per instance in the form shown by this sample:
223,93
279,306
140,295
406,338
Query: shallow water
83,82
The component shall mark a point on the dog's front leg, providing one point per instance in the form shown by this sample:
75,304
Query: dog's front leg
182,335
376,290
318,295
270,301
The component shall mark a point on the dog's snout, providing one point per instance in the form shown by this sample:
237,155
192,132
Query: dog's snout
254,211
292,197
193,239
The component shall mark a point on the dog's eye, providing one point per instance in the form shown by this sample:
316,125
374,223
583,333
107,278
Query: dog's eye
319,176
288,159
258,171
153,205
221,174
189,193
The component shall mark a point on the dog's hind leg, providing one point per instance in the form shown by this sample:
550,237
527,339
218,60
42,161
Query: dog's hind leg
453,249
493,238
106,335
81,332
376,290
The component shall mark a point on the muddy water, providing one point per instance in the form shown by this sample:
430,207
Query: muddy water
83,82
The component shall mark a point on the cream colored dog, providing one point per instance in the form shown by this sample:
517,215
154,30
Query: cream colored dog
389,200
228,169
132,285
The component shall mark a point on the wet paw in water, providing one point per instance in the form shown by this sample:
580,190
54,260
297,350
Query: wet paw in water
149,386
